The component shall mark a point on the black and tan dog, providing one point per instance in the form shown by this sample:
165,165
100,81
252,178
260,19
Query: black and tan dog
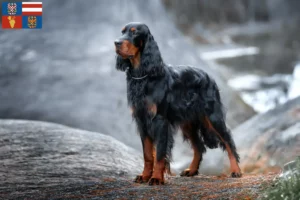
163,99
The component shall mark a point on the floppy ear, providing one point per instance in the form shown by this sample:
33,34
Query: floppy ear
122,64
151,61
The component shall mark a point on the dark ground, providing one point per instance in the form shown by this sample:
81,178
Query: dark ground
199,187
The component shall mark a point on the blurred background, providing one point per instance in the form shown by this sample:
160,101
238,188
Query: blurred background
65,72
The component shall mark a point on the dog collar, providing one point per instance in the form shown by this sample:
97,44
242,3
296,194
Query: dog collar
135,78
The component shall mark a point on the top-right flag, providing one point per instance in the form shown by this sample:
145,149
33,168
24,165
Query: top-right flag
32,8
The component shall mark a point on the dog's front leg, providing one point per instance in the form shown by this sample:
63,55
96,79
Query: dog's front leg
148,161
163,137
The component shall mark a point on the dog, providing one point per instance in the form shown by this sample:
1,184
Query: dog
164,99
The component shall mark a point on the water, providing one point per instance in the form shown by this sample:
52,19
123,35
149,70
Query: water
265,93
267,72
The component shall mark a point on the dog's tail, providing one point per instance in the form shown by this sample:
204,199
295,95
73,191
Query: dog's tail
213,108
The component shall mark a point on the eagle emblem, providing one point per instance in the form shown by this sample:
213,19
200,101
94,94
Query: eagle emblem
12,8
32,21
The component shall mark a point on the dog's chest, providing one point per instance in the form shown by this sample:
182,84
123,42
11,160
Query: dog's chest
139,98
136,91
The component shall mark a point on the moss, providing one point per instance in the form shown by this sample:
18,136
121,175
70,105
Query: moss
287,188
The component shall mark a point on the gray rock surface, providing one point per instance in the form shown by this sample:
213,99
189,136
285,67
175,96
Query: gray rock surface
41,160
271,138
65,72
37,155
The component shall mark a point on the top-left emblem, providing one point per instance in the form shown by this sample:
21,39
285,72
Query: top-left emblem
12,8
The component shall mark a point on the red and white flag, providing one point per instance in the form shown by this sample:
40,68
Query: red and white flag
32,8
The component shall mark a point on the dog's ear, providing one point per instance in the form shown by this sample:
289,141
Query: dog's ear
122,64
151,61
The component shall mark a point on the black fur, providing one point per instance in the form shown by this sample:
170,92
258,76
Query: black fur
182,94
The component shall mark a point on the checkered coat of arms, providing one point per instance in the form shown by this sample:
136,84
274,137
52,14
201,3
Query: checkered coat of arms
12,8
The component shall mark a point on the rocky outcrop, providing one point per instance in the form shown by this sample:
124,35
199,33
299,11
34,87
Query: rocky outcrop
42,160
270,139
38,155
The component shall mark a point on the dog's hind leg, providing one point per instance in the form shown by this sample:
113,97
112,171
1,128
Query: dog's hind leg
148,161
216,124
163,138
191,132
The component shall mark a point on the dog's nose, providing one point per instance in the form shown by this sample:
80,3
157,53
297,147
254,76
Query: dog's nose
118,43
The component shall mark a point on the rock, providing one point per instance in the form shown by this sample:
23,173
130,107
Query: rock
42,160
291,168
39,155
270,139
65,72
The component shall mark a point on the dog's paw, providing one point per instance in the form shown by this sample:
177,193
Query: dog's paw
141,179
156,181
189,172
236,174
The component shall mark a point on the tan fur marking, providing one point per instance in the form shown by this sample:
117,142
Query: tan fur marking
233,162
148,159
194,166
132,110
135,61
152,108
159,170
129,50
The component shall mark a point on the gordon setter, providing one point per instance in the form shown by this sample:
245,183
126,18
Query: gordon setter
163,99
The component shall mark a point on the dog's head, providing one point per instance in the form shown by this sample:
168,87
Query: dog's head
137,49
